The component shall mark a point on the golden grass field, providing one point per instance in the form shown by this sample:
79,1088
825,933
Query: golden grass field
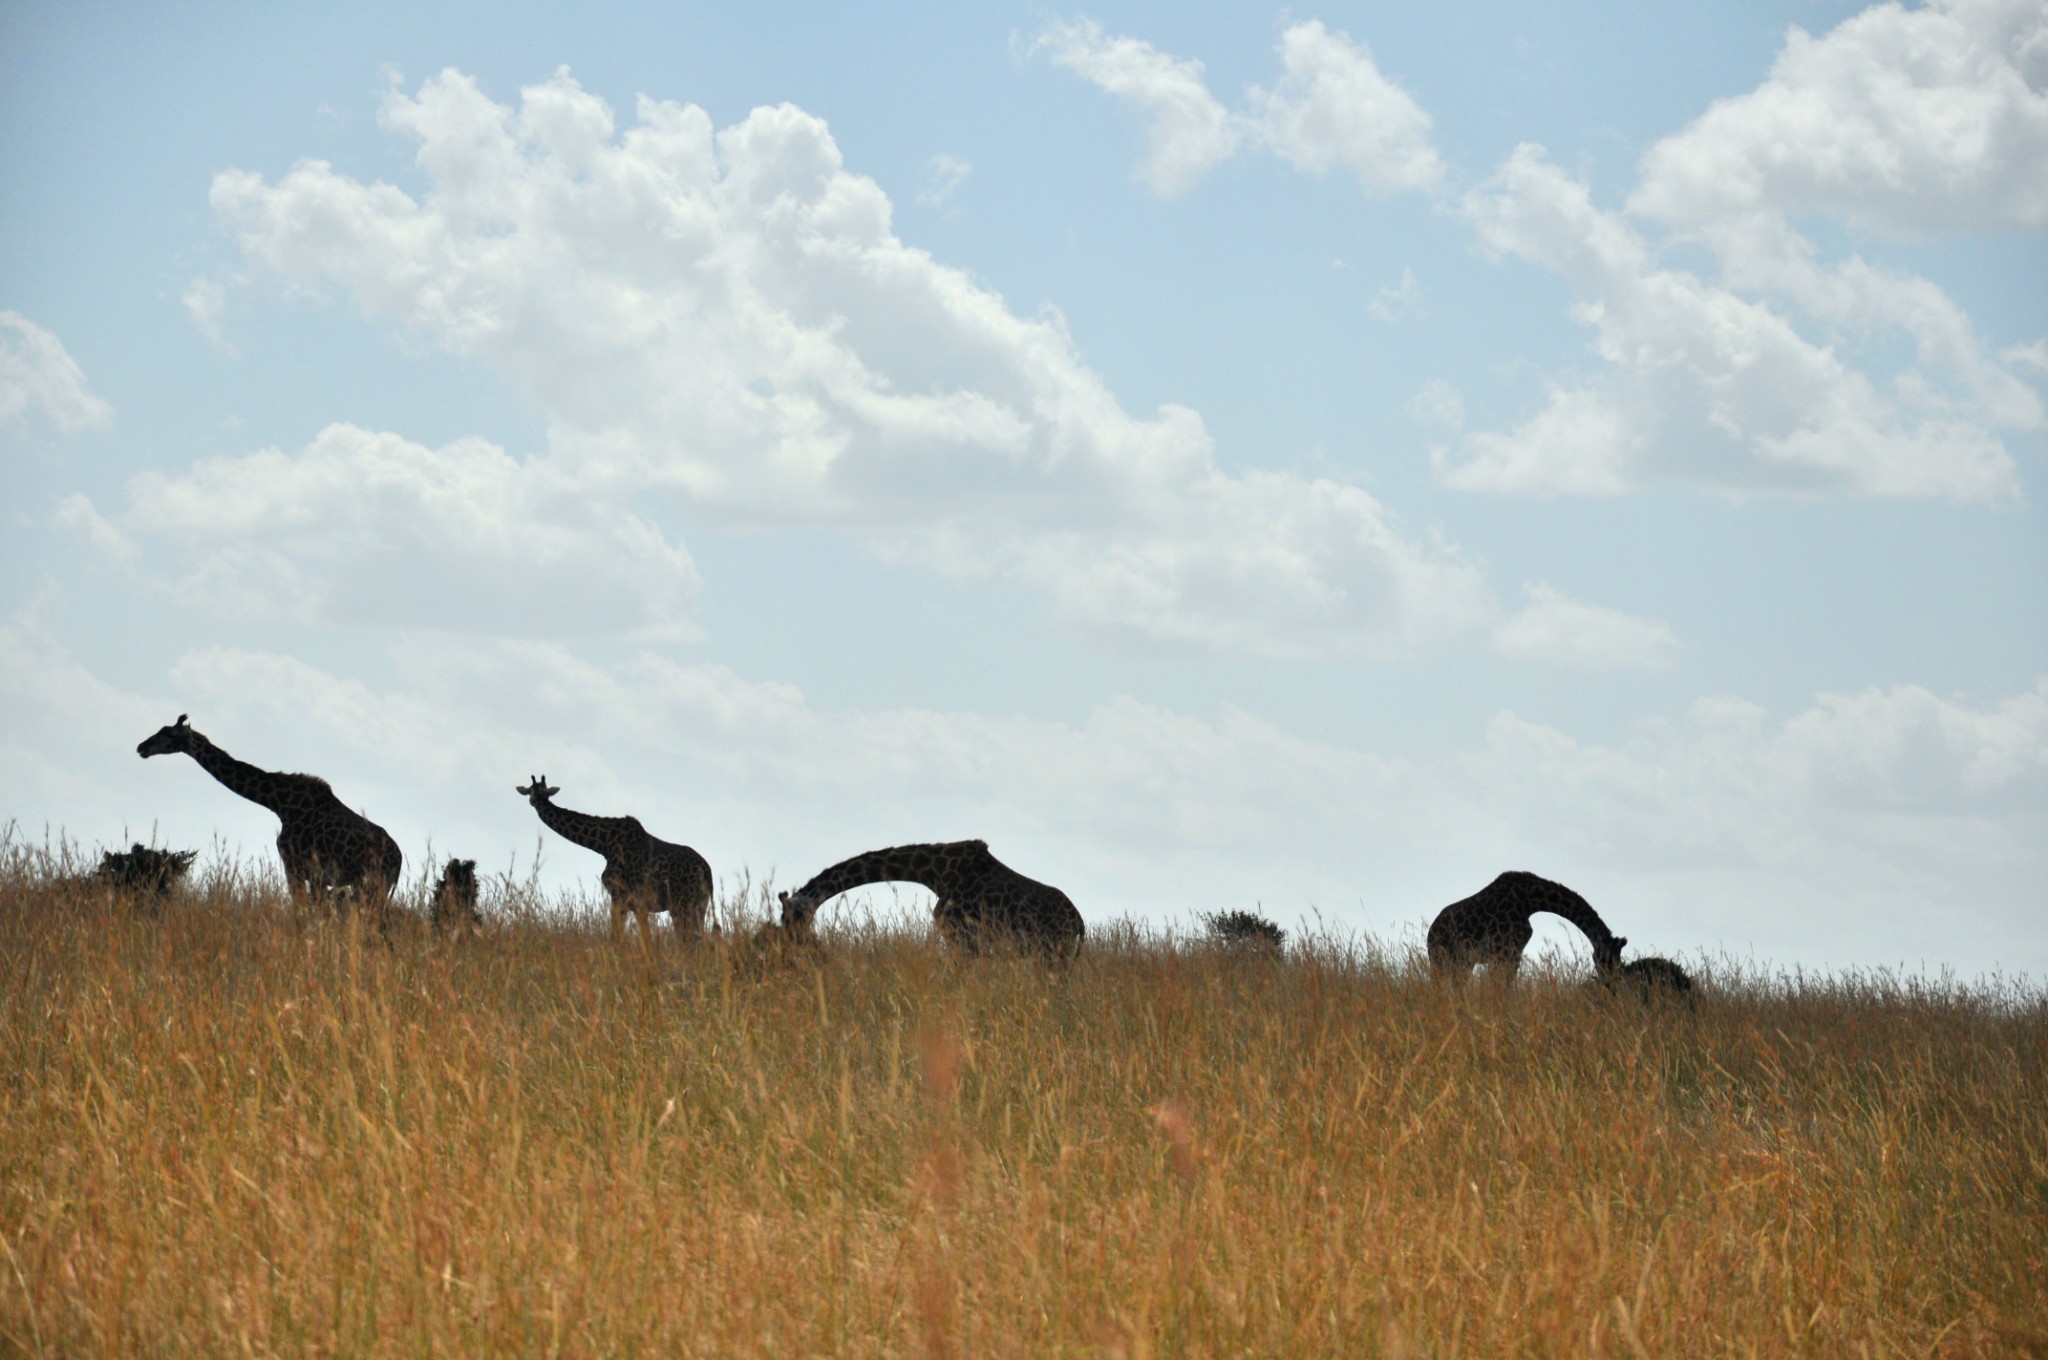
226,1130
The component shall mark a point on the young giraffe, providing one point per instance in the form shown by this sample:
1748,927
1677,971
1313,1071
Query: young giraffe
642,873
1492,927
454,905
326,847
979,895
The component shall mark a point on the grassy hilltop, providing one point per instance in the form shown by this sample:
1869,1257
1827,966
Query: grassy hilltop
227,1131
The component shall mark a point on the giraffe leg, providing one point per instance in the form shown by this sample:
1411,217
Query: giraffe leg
688,931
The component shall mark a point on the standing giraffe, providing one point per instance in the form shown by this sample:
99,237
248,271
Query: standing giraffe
642,873
979,895
1492,926
326,847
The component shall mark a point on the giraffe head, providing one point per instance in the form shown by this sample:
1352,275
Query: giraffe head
1607,954
172,740
539,791
796,914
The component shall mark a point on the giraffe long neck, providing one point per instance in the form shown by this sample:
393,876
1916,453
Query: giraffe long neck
239,776
1562,901
601,834
919,864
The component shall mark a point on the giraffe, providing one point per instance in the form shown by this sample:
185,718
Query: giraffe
326,847
1492,926
979,896
454,905
1650,977
643,874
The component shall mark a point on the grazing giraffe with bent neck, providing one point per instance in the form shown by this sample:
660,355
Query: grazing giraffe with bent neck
1492,927
980,897
643,874
326,846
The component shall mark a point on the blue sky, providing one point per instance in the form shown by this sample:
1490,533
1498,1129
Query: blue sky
1305,458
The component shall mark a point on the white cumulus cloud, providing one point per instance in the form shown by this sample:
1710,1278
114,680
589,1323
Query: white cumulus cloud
1332,109
1780,375
728,317
1933,118
363,527
1700,382
1187,132
1335,110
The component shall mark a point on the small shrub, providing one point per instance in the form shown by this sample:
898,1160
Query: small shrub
1244,930
144,869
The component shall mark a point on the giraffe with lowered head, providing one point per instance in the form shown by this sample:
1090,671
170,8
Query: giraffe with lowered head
642,873
1492,927
326,846
979,896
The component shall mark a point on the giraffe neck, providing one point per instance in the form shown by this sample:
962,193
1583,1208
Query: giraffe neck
602,834
1562,901
921,864
263,787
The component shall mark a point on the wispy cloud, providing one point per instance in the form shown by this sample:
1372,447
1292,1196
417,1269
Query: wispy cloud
1557,630
1399,301
1332,109
38,374
943,175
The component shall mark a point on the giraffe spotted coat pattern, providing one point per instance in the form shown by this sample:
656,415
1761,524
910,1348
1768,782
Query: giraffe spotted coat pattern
979,896
1492,927
326,846
1651,977
642,873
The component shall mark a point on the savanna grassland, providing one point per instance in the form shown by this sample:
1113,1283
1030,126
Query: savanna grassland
225,1129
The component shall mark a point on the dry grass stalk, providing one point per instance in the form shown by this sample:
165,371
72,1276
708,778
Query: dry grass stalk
227,1131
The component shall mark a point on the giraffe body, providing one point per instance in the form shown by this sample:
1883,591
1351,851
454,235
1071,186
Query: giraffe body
979,896
327,847
643,874
1651,977
1492,927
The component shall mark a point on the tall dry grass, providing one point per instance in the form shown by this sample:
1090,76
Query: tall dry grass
226,1130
